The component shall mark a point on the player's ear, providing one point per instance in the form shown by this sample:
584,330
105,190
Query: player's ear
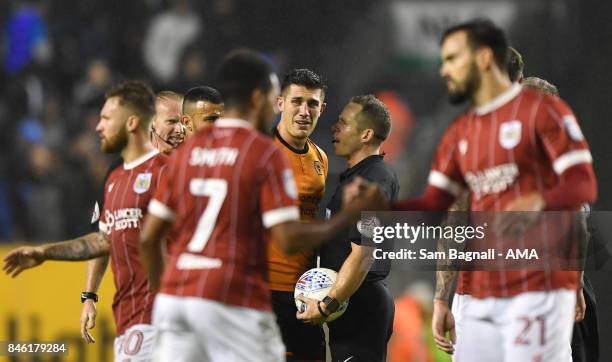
133,122
186,122
280,101
484,58
323,106
367,135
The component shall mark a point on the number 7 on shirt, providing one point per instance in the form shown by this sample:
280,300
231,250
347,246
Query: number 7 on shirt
215,190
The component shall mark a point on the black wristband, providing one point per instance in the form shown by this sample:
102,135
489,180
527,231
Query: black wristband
89,295
331,304
321,310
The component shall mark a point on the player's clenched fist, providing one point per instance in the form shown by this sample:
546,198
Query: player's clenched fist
22,258
88,320
362,195
354,189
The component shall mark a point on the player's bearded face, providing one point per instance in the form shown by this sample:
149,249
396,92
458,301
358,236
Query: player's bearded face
459,68
112,126
116,142
460,91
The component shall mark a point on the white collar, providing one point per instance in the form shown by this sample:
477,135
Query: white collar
232,122
140,160
499,101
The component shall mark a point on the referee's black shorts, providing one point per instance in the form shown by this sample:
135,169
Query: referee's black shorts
361,334
303,342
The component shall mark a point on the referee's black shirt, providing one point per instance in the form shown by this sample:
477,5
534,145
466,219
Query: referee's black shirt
335,251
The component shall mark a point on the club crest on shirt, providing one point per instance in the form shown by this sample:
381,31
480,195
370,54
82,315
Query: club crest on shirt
318,167
510,134
143,182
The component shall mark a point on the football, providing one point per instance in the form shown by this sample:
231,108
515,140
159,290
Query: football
315,284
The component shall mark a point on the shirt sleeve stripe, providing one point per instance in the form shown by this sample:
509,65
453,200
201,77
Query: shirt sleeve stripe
161,211
441,181
570,159
278,216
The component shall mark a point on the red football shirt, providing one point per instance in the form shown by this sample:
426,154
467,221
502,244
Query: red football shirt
127,192
520,142
224,187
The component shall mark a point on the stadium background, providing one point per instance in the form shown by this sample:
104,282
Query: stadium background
59,56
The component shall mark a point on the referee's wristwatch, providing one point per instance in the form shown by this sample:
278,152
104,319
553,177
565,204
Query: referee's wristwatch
89,295
331,304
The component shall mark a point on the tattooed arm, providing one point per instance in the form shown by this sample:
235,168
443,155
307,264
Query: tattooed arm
85,247
446,274
443,321
444,284
88,247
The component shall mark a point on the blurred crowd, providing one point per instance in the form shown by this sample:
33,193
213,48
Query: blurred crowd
56,66
60,56
58,59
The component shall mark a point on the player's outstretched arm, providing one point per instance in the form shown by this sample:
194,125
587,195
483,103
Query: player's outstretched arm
95,271
295,236
154,230
85,247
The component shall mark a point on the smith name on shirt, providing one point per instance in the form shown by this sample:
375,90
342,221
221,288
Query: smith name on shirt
212,157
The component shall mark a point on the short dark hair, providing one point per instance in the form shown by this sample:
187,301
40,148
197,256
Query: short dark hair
515,64
304,77
374,114
484,33
202,93
241,72
138,96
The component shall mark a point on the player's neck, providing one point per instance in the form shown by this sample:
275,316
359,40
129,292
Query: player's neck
248,116
297,143
138,145
493,84
362,154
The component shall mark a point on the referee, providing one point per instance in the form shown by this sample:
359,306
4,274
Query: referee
363,332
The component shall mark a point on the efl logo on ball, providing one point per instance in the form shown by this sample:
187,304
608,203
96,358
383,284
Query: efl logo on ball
316,284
